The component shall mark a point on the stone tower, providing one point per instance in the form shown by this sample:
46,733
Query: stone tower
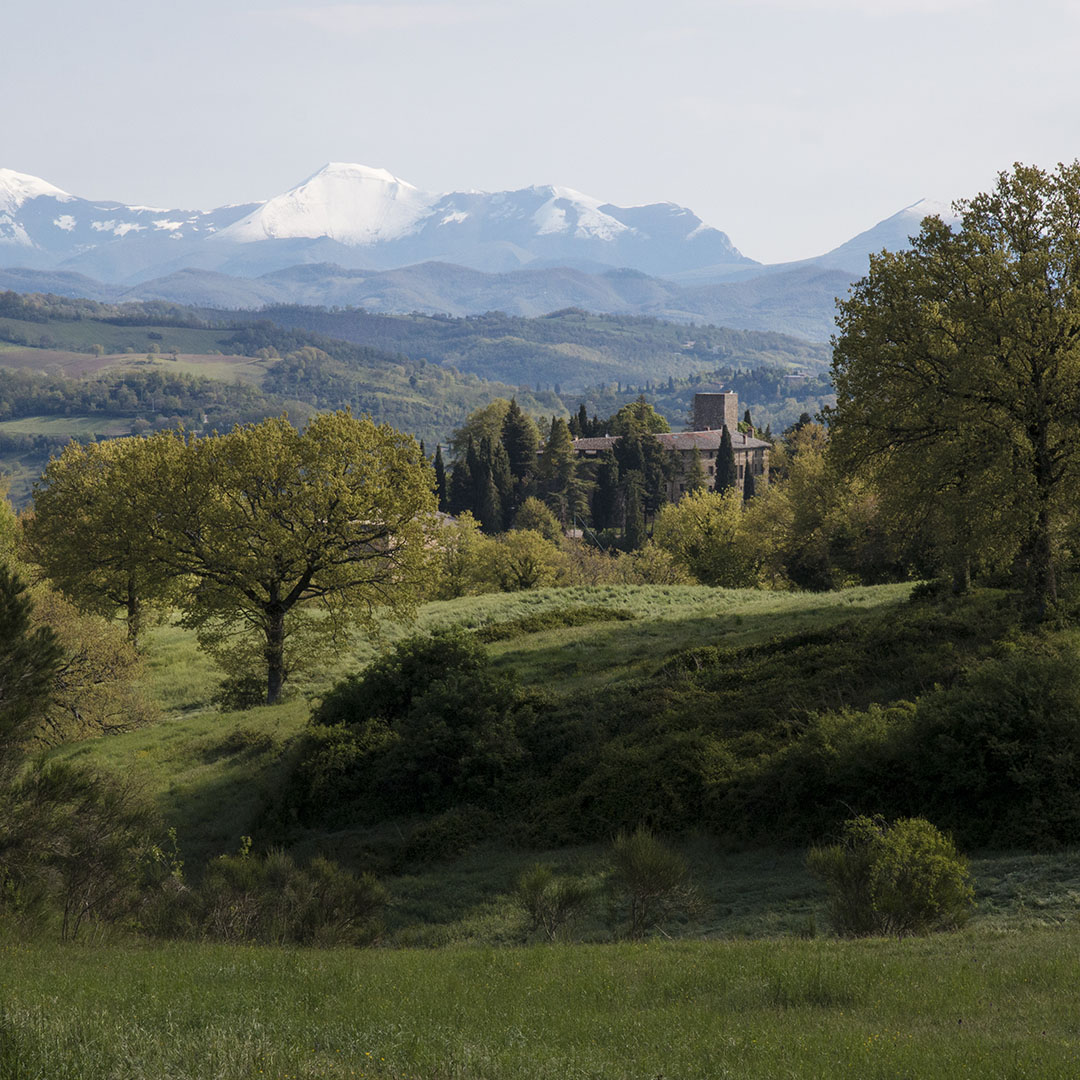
716,411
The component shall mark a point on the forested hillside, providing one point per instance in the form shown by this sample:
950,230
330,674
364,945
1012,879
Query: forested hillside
84,369
571,348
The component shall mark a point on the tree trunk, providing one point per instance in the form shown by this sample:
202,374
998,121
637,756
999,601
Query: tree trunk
134,614
275,653
1042,581
961,574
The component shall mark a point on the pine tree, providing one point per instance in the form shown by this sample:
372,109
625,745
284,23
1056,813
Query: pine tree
441,491
727,472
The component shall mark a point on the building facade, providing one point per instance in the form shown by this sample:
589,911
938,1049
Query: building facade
751,454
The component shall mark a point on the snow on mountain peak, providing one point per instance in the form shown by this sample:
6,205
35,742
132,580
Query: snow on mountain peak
589,219
352,204
17,188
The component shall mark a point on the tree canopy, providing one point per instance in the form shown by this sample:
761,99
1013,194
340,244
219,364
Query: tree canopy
957,371
270,522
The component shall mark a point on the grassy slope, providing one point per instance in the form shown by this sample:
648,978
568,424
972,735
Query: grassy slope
210,772
209,780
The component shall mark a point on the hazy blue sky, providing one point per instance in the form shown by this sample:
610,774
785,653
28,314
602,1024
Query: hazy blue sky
790,124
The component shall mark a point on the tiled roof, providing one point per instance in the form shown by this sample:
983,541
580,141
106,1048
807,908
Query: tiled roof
680,440
710,440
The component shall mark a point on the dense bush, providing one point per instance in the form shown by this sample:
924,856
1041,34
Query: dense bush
904,878
428,726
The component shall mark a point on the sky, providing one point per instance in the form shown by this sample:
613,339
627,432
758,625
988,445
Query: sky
790,124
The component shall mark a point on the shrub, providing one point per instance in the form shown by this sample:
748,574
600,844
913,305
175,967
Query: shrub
904,878
549,902
423,728
268,899
649,880
239,692
449,835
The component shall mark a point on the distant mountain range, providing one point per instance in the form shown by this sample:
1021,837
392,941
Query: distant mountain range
352,235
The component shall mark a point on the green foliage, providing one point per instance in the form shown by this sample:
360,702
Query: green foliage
958,377
97,687
549,902
903,878
704,531
29,661
92,530
449,835
271,523
650,880
727,472
269,900
450,726
75,846
534,515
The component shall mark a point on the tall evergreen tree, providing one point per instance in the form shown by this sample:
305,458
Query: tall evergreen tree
462,484
634,525
522,443
557,480
748,490
695,475
747,421
727,472
503,480
607,499
441,491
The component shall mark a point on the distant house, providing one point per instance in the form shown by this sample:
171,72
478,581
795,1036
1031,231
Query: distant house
750,453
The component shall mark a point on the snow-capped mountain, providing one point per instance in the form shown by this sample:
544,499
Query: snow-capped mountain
357,217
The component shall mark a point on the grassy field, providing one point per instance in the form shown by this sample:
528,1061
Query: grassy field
972,1005
750,986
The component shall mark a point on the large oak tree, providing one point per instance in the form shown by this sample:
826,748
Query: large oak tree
957,371
289,533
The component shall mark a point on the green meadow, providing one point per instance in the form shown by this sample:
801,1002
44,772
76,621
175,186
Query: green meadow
971,1005
751,984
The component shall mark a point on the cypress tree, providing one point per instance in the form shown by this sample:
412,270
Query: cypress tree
695,475
521,442
748,489
558,471
582,421
748,422
504,482
440,481
606,500
634,525
727,472
462,486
